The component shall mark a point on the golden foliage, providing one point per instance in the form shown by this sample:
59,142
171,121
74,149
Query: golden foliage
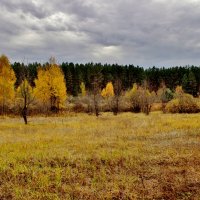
141,99
83,90
185,103
50,86
133,90
7,81
179,90
25,92
108,91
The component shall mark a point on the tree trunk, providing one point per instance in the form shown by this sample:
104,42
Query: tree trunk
25,109
96,108
164,107
24,115
116,106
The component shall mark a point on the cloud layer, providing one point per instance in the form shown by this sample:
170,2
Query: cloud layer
145,32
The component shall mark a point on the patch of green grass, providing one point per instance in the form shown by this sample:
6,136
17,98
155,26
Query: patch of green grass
129,156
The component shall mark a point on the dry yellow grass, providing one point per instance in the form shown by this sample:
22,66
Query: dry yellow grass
129,156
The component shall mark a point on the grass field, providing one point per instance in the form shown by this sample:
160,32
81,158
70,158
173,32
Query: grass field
129,156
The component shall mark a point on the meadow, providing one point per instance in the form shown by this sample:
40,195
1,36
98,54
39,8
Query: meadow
79,156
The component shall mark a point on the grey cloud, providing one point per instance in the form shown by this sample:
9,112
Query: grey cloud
145,32
82,9
25,6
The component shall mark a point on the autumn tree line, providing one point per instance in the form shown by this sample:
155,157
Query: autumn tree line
51,88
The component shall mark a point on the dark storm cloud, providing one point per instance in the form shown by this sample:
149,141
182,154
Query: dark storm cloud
145,32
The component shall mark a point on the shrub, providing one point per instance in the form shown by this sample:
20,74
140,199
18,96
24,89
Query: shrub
173,106
184,103
141,99
164,95
78,108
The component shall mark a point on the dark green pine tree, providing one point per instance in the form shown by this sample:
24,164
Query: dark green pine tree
185,83
18,69
192,84
189,83
68,77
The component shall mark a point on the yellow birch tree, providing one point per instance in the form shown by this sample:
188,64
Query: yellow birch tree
50,86
24,93
108,91
7,81
83,90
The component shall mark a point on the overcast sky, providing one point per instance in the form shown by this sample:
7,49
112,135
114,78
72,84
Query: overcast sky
139,32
